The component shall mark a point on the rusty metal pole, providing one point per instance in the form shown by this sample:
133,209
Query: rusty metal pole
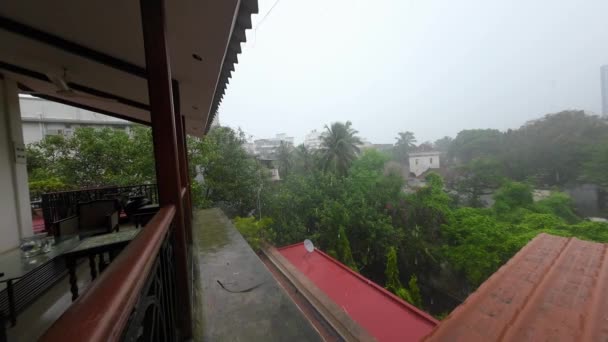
165,140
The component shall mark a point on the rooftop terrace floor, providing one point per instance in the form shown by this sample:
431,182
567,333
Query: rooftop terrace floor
236,297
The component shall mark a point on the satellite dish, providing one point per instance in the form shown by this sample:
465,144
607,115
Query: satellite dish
308,245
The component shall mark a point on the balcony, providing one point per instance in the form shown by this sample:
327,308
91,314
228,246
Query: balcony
235,297
156,63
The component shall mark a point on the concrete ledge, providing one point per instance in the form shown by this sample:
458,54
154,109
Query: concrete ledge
237,298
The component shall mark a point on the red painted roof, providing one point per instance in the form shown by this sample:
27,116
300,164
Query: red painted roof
554,289
384,315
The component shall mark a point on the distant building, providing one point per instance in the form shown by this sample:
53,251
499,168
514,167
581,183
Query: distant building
365,144
268,148
40,118
313,140
249,147
420,162
604,80
387,148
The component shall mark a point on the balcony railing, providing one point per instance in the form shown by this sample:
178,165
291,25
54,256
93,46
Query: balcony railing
135,298
59,205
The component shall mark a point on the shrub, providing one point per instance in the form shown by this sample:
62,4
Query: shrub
254,231
51,184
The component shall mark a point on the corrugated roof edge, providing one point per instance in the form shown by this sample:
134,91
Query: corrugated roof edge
242,23
486,286
481,290
382,290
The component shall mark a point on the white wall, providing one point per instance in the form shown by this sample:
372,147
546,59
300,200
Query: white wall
15,212
32,132
420,163
33,108
41,117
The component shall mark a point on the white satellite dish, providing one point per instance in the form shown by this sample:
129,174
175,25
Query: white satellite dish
308,245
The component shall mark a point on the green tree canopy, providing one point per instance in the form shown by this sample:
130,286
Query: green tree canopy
596,167
475,143
94,157
232,179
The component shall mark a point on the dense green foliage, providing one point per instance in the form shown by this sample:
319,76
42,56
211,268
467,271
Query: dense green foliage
330,208
440,235
558,149
254,231
477,176
91,158
232,179
393,282
107,157
363,217
595,169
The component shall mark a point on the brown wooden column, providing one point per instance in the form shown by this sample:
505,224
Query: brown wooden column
188,172
182,156
165,139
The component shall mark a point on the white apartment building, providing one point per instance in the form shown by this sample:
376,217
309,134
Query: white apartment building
40,118
420,162
313,140
267,148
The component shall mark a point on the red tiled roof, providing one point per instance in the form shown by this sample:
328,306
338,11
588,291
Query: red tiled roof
554,289
382,314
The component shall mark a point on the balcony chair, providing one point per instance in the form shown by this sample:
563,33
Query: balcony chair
94,218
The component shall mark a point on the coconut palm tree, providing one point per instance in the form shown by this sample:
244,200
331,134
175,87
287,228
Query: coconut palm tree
406,141
304,159
339,147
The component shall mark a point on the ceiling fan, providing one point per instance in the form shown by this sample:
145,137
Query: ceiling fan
63,89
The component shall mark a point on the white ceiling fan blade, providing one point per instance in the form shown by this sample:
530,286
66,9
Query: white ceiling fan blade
59,81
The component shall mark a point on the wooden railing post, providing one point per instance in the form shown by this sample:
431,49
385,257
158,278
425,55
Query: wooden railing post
166,150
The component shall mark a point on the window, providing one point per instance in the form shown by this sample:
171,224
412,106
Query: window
416,161
431,159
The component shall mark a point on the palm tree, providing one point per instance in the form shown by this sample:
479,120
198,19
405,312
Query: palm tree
339,147
406,141
304,159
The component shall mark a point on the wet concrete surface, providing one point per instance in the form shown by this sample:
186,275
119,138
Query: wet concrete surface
248,305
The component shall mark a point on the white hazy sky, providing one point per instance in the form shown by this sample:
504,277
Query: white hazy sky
433,67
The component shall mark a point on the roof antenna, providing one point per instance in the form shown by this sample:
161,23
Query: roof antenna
309,246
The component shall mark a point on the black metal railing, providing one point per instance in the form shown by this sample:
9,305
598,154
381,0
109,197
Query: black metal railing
63,204
154,316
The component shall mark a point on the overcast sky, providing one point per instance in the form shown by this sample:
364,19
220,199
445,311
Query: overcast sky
433,67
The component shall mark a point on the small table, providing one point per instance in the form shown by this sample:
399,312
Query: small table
97,245
14,266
